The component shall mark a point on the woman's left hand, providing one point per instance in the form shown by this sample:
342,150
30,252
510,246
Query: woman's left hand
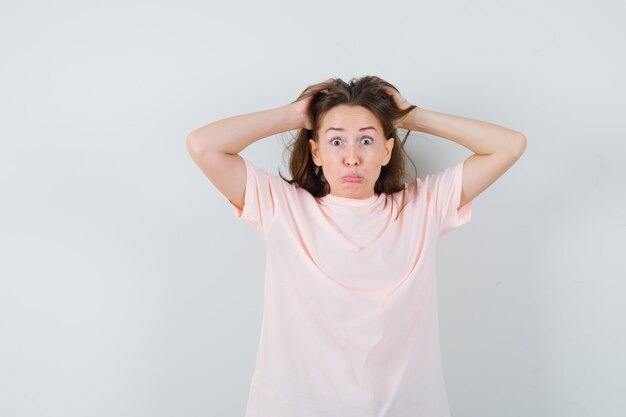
400,101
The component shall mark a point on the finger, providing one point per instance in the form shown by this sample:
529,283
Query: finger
330,81
388,90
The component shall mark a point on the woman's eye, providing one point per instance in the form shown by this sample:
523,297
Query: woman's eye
368,139
331,142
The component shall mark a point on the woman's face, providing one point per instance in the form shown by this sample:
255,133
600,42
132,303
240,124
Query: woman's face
351,150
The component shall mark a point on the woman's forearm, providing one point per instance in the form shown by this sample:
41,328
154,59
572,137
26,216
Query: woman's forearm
234,134
478,136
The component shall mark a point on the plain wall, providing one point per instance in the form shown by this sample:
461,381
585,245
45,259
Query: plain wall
128,287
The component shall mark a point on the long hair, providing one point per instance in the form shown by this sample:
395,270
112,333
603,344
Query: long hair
368,92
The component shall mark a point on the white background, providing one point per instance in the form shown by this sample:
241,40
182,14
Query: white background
128,287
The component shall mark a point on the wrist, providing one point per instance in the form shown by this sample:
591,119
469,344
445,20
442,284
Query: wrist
295,115
413,120
292,116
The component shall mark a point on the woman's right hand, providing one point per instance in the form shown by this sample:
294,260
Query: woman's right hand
301,105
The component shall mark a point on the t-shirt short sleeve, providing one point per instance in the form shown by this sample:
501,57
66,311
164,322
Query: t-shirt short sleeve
262,190
444,190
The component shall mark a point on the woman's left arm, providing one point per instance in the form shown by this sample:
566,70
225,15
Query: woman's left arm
480,137
495,148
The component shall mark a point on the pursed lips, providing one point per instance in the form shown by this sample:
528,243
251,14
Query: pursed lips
352,178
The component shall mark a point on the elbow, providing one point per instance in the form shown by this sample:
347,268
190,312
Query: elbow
520,143
192,144
516,144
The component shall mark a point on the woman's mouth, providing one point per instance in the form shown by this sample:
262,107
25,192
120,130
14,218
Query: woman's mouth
352,178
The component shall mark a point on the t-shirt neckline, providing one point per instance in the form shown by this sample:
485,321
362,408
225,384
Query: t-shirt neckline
346,201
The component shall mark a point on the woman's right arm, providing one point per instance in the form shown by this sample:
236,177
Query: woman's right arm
215,147
234,134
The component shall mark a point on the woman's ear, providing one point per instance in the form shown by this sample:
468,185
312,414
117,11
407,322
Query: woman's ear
388,150
315,152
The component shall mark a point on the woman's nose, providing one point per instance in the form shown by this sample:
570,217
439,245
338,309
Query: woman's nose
351,157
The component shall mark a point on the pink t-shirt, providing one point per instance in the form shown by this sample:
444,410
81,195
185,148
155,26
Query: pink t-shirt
350,326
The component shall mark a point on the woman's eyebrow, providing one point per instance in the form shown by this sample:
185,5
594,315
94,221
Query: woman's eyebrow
341,129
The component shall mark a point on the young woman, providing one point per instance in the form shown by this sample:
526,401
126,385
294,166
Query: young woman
350,322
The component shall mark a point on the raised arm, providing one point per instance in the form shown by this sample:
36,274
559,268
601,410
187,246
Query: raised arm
215,147
496,148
